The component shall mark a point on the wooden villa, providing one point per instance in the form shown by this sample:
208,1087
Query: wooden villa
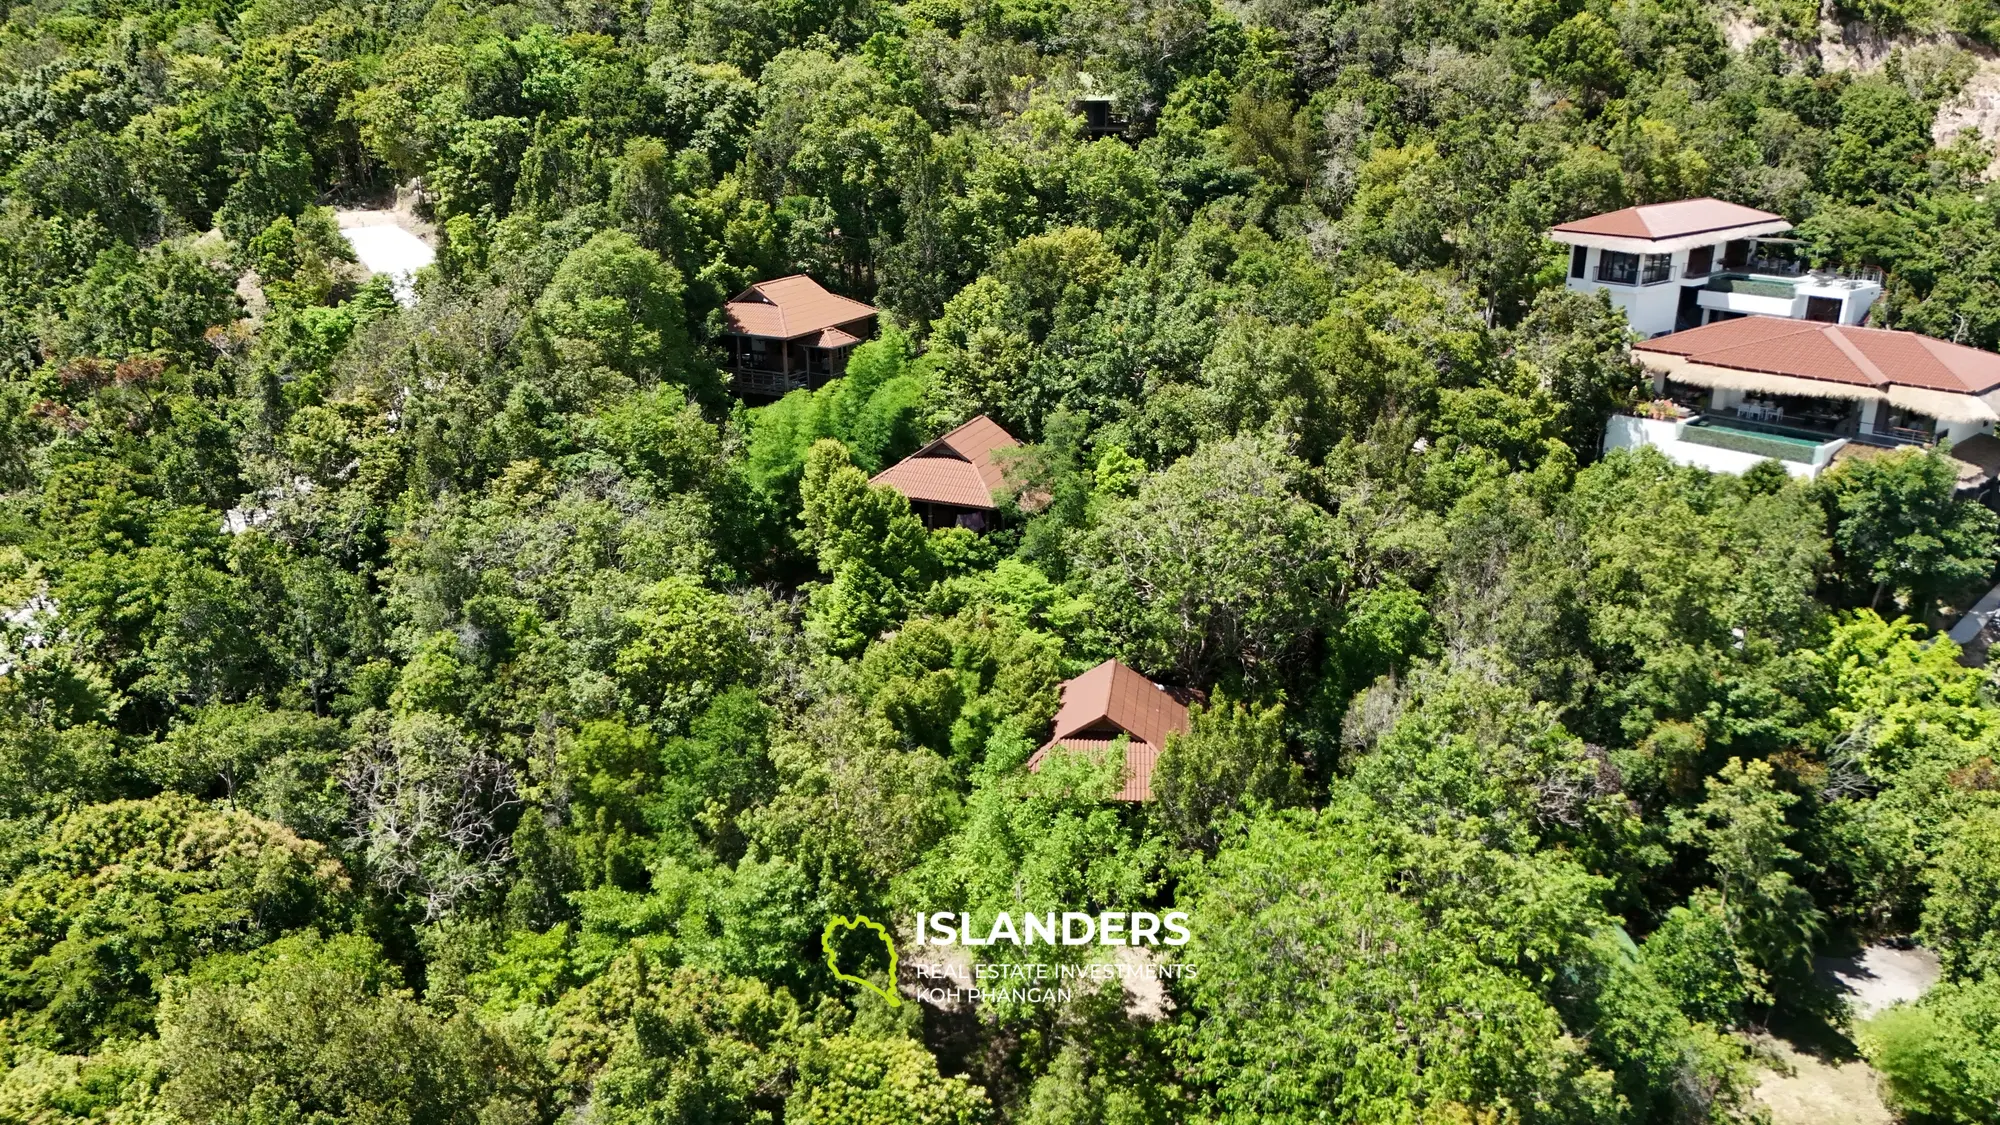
790,334
1110,701
958,480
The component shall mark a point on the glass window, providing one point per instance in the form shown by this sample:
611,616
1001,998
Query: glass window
1616,268
1656,268
1701,260
1578,255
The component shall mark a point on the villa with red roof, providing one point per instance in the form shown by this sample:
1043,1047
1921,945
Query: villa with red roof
959,480
1803,392
790,334
1675,266
1112,701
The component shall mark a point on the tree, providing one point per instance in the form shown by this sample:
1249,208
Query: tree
872,410
164,301
113,899
849,1080
1321,992
1216,567
1941,1055
615,304
316,1029
647,1044
1898,530
1583,52
426,810
1880,144
277,182
1231,758
1770,920
281,764
687,645
1961,918
866,538
1577,346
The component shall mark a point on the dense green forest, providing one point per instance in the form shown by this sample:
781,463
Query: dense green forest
469,712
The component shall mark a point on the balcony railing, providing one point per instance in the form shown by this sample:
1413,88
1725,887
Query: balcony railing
1745,286
1775,273
760,381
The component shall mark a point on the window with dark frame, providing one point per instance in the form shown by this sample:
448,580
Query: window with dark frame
1655,268
1701,260
1578,257
1617,268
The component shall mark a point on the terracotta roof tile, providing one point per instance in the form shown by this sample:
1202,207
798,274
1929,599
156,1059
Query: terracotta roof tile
1110,700
1658,221
938,480
833,338
1835,353
786,308
959,468
1115,695
977,441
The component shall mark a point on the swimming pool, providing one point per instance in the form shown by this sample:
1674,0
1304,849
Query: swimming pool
1722,435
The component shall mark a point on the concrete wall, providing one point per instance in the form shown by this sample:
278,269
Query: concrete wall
1649,309
1750,304
1653,309
1958,431
1626,432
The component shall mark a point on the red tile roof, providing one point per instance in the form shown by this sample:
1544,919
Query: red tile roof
1658,221
938,480
959,468
1110,700
833,338
787,308
1835,353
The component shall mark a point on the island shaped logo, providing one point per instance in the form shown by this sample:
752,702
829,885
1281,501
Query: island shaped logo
839,924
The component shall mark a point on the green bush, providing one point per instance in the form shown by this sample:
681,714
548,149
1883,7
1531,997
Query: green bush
1941,1056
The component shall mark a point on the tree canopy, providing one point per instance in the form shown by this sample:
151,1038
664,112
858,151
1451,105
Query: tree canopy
458,702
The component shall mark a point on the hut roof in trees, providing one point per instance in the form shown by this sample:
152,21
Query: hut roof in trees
1109,701
960,469
788,308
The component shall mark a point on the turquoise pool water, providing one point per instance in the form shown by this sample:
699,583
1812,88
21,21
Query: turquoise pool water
1714,424
1722,435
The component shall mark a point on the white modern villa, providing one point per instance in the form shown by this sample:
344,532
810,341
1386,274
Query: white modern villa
1675,266
1736,392
1755,356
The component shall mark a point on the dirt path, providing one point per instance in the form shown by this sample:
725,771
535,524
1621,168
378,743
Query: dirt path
1806,1089
390,241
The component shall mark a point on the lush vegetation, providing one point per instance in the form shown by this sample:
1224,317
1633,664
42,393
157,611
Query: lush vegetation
467,713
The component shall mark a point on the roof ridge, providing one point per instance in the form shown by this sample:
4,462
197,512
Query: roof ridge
776,305
967,424
1948,354
1854,354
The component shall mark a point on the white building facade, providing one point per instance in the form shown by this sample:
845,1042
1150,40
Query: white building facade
1676,266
